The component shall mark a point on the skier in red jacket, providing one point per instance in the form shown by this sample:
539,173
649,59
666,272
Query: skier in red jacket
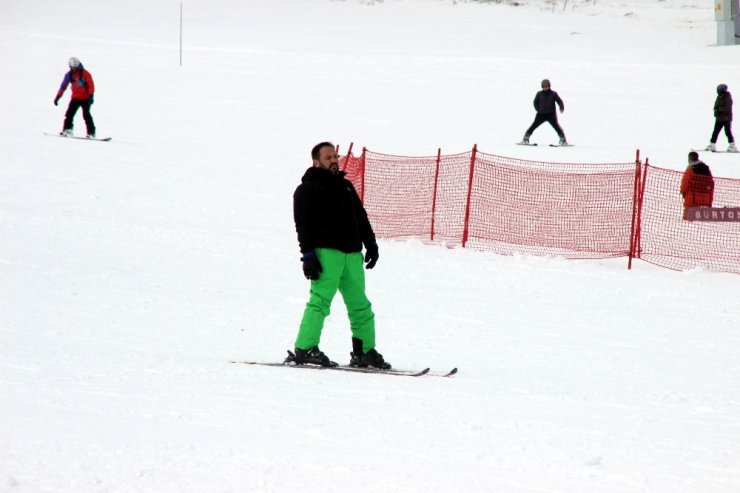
83,89
697,185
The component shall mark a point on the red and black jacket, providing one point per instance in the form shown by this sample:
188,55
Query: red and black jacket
697,186
81,81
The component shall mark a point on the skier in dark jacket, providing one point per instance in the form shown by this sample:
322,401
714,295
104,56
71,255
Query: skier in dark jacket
332,226
83,90
722,119
544,105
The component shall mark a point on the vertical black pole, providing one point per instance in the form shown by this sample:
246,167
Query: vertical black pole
181,34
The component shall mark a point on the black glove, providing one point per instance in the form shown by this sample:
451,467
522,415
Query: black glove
56,101
311,266
90,100
371,255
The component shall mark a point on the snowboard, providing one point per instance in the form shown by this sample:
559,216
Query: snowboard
100,139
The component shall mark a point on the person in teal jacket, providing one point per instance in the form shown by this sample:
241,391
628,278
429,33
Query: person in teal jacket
332,227
83,90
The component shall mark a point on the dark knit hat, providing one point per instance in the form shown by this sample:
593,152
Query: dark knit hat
545,83
722,88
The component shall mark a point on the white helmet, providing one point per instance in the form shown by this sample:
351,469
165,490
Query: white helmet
74,62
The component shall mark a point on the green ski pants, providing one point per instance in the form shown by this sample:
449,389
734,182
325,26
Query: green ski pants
343,272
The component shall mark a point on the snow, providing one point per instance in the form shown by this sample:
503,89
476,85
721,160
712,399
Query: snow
133,271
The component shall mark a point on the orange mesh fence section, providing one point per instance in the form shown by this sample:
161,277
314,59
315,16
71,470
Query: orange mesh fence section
537,208
669,241
398,194
516,206
413,197
416,197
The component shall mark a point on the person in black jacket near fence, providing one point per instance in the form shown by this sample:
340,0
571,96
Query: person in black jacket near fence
332,226
544,104
722,119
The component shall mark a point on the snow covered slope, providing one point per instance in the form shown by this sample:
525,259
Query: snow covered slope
133,271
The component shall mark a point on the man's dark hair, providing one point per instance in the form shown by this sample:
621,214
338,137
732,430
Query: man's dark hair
317,149
694,156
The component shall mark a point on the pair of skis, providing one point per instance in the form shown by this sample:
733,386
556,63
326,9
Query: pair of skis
534,144
99,139
354,369
716,151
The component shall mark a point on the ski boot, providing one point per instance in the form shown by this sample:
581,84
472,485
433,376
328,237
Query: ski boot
525,139
372,358
67,132
732,147
711,147
562,141
311,356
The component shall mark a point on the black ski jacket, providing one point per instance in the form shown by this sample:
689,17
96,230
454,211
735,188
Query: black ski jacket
723,107
328,213
544,102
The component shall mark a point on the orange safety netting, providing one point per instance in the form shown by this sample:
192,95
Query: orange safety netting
508,205
667,240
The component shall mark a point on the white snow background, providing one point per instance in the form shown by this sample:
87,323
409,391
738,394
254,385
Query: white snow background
132,271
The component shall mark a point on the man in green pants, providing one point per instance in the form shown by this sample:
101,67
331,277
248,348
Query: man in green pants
332,226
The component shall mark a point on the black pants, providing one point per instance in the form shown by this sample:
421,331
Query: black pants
74,105
718,125
551,118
